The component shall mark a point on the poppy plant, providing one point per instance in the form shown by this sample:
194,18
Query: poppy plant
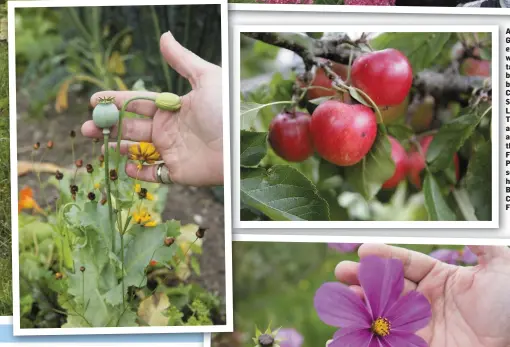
384,318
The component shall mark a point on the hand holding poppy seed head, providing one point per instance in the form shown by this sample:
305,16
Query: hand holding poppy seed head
466,303
189,140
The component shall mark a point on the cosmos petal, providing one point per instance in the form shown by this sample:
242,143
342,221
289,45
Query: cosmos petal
382,281
403,339
352,337
410,313
338,306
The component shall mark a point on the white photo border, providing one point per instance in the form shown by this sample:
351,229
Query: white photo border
236,92
229,326
479,11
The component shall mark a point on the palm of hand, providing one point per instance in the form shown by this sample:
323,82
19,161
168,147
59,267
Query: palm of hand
470,305
191,141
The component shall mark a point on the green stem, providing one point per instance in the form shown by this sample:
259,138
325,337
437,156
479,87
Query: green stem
119,126
122,273
164,65
108,190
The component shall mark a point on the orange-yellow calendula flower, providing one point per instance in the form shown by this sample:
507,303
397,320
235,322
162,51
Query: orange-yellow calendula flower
26,200
143,217
144,152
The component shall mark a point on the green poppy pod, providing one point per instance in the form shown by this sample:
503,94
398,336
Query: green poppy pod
105,114
168,102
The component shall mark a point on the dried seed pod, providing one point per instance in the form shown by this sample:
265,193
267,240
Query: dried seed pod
74,189
59,175
91,196
82,268
142,194
37,145
201,232
49,144
113,175
78,163
103,201
169,241
90,168
72,134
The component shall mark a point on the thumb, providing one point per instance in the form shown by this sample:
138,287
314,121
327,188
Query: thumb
186,63
487,253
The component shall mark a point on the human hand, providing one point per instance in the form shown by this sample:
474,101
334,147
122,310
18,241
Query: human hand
470,305
190,140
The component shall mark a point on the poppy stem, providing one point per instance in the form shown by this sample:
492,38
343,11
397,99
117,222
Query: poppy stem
107,184
119,125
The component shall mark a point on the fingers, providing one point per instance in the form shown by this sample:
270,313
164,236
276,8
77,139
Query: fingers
139,130
124,146
185,62
347,272
147,173
416,265
142,107
486,253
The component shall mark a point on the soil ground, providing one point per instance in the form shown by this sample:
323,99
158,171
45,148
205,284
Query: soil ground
187,204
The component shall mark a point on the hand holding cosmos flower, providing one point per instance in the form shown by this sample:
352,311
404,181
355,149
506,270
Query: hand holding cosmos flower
190,141
470,305
385,318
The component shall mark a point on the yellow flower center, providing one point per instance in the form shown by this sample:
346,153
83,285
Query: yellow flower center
381,327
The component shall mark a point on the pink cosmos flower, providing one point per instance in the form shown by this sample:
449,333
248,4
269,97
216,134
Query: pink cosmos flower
344,247
370,2
289,337
455,256
386,318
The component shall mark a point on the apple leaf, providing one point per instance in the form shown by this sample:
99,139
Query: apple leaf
283,194
479,181
435,203
449,140
368,176
253,148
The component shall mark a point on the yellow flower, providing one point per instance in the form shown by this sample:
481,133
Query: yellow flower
144,152
143,217
97,186
143,193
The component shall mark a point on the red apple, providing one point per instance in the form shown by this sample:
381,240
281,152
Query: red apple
342,133
386,76
399,156
289,136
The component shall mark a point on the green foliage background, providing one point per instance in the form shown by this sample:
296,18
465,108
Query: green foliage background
5,193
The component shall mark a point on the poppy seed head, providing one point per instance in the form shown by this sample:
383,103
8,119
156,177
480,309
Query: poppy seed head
90,168
72,134
266,340
59,175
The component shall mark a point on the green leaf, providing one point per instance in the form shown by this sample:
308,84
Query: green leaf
479,181
435,203
422,49
449,140
400,131
249,112
282,193
253,148
368,176
147,244
356,95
